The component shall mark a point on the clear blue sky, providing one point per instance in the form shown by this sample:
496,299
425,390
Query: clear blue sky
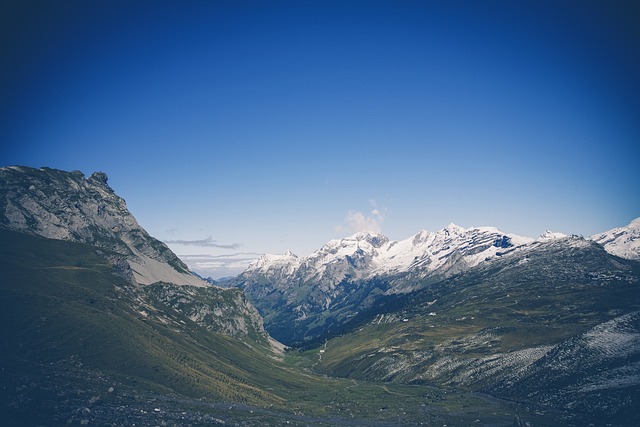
249,127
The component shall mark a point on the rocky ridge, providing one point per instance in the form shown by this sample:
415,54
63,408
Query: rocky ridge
366,255
67,206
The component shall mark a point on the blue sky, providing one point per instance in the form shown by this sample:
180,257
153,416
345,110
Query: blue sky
234,128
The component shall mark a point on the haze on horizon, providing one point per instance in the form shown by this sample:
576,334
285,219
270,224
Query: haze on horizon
234,128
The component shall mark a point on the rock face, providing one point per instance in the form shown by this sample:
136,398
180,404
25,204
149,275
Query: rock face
224,311
67,206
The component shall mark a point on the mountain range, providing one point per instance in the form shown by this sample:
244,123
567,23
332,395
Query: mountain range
553,321
556,323
103,325
303,298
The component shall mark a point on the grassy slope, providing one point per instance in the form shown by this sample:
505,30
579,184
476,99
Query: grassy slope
60,302
71,328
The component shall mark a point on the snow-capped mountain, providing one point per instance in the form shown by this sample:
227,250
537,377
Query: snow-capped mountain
452,249
622,241
67,206
555,321
348,275
446,251
367,255
355,271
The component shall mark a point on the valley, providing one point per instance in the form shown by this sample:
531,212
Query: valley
526,324
78,350
103,325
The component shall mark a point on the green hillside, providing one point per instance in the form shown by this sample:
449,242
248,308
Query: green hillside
61,303
81,345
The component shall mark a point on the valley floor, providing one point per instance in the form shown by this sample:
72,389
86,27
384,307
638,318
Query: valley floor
54,395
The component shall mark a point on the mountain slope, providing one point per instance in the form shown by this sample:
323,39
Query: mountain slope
554,323
63,304
81,345
67,206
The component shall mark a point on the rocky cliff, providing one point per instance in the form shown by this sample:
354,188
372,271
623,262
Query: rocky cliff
68,206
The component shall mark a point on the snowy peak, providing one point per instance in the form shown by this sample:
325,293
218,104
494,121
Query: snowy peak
376,240
450,248
453,229
339,248
622,241
421,237
266,261
447,251
552,235
367,255
373,239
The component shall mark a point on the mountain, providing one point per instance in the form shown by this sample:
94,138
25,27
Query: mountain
67,206
303,298
550,235
366,255
555,323
89,338
622,241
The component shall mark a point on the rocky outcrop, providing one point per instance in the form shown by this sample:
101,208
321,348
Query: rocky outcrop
224,311
67,206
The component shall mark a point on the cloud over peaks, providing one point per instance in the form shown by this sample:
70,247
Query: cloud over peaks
357,221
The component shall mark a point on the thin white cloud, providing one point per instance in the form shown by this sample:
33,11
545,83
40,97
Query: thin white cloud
208,242
222,259
217,266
